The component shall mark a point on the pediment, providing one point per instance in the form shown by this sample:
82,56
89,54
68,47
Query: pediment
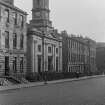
51,36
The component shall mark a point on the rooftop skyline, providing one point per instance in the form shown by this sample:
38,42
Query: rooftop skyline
85,17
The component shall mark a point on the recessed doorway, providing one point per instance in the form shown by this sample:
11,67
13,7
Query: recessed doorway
7,66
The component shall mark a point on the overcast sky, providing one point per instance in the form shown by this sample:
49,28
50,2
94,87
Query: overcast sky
85,17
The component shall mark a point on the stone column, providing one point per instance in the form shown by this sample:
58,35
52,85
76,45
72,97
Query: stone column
46,58
54,60
34,56
53,55
60,58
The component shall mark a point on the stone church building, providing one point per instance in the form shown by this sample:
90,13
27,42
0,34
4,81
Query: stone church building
44,43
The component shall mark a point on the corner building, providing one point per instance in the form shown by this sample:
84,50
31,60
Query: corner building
12,40
44,42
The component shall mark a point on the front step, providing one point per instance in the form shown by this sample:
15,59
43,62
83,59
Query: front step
6,81
23,80
20,80
11,80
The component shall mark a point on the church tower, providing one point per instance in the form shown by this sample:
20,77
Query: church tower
40,15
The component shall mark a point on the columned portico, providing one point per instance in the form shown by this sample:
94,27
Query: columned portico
49,58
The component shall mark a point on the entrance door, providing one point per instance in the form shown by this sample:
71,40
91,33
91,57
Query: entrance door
56,64
39,64
6,66
50,65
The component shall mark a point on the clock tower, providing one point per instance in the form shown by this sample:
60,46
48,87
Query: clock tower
40,15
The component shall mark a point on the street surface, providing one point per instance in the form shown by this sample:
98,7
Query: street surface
84,92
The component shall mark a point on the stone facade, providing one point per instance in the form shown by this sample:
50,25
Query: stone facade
12,39
79,54
44,42
52,53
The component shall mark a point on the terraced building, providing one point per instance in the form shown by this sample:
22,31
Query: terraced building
12,39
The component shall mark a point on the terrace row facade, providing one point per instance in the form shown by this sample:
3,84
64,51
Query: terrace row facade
79,54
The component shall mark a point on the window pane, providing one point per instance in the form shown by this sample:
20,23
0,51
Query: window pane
21,21
22,41
14,40
6,39
7,15
15,18
49,49
39,48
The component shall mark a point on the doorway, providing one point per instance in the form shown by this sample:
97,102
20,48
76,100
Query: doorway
50,65
57,64
7,66
39,63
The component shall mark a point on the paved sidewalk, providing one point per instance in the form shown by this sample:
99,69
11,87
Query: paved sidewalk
15,87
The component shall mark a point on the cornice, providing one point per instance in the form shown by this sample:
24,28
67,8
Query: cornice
13,7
